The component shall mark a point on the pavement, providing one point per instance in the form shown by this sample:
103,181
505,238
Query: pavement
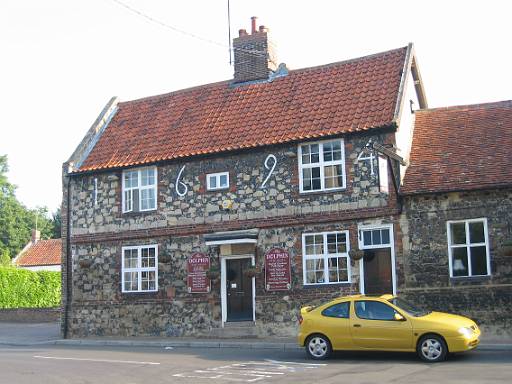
31,334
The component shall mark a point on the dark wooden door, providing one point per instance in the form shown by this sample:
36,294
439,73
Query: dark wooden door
378,278
239,290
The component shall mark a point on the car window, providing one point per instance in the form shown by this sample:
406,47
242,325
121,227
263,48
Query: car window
374,310
339,310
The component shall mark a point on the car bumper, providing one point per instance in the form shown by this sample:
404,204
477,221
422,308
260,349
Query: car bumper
461,344
301,339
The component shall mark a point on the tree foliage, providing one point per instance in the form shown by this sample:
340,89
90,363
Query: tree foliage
17,221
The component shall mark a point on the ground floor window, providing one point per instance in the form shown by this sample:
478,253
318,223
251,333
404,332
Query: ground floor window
468,248
140,268
325,258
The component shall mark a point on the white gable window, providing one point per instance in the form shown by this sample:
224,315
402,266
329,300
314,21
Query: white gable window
217,181
139,189
322,166
325,258
468,248
140,268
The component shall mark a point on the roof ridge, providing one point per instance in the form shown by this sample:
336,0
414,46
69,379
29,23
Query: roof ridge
348,61
505,103
304,69
177,92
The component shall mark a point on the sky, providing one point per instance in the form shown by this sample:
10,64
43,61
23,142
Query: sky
62,60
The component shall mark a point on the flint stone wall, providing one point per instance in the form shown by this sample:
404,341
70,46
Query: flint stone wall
100,308
279,197
427,278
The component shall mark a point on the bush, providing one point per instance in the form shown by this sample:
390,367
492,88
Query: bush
20,288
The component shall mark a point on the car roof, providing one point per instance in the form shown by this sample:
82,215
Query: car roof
360,296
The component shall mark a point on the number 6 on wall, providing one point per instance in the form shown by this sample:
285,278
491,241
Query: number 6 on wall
179,182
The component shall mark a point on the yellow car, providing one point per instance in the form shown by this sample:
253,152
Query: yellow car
385,323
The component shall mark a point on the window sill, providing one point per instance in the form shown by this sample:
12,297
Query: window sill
322,192
469,279
139,213
321,285
139,293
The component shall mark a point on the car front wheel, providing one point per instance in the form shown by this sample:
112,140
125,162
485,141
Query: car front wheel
432,348
318,347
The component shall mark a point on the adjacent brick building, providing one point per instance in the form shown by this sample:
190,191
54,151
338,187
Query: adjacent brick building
40,255
457,219
283,184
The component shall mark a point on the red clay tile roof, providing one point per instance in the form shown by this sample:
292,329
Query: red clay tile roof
461,148
44,252
342,97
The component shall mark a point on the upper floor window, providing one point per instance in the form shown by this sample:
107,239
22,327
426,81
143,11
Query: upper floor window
139,189
140,268
468,247
325,258
217,181
322,166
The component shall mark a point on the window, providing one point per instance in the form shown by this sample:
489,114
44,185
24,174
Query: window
468,248
340,310
217,181
139,190
140,268
377,238
374,310
325,258
322,166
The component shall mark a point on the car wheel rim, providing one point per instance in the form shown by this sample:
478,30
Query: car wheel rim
317,347
431,349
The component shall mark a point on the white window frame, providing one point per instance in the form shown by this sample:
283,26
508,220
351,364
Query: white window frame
139,269
217,178
325,257
322,164
139,187
468,245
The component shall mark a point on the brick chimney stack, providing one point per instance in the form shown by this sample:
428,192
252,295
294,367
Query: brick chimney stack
255,54
36,236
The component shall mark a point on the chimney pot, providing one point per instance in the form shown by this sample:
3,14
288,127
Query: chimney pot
242,32
36,235
253,25
263,29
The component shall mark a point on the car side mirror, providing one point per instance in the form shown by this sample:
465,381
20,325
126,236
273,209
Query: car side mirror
399,317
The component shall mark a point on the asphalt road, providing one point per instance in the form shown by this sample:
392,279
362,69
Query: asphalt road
58,364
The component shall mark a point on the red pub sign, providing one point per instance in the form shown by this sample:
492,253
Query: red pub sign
197,265
277,270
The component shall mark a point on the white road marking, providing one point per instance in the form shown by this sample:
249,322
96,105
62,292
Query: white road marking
309,365
97,360
249,372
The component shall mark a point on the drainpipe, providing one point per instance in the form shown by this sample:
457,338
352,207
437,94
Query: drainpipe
69,269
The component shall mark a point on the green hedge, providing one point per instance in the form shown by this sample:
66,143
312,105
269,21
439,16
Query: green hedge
20,288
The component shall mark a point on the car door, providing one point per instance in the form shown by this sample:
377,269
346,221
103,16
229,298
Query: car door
373,325
335,325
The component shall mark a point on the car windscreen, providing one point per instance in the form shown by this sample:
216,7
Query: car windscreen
411,309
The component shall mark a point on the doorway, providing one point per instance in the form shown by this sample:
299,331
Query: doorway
239,290
378,263
377,271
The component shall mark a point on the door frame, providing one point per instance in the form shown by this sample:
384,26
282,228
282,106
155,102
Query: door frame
223,292
361,228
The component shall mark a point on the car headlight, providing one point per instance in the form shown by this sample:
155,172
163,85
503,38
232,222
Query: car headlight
465,331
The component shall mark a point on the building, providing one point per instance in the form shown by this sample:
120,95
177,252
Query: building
457,222
40,255
208,209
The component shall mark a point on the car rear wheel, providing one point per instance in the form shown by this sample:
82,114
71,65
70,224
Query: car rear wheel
432,348
318,347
